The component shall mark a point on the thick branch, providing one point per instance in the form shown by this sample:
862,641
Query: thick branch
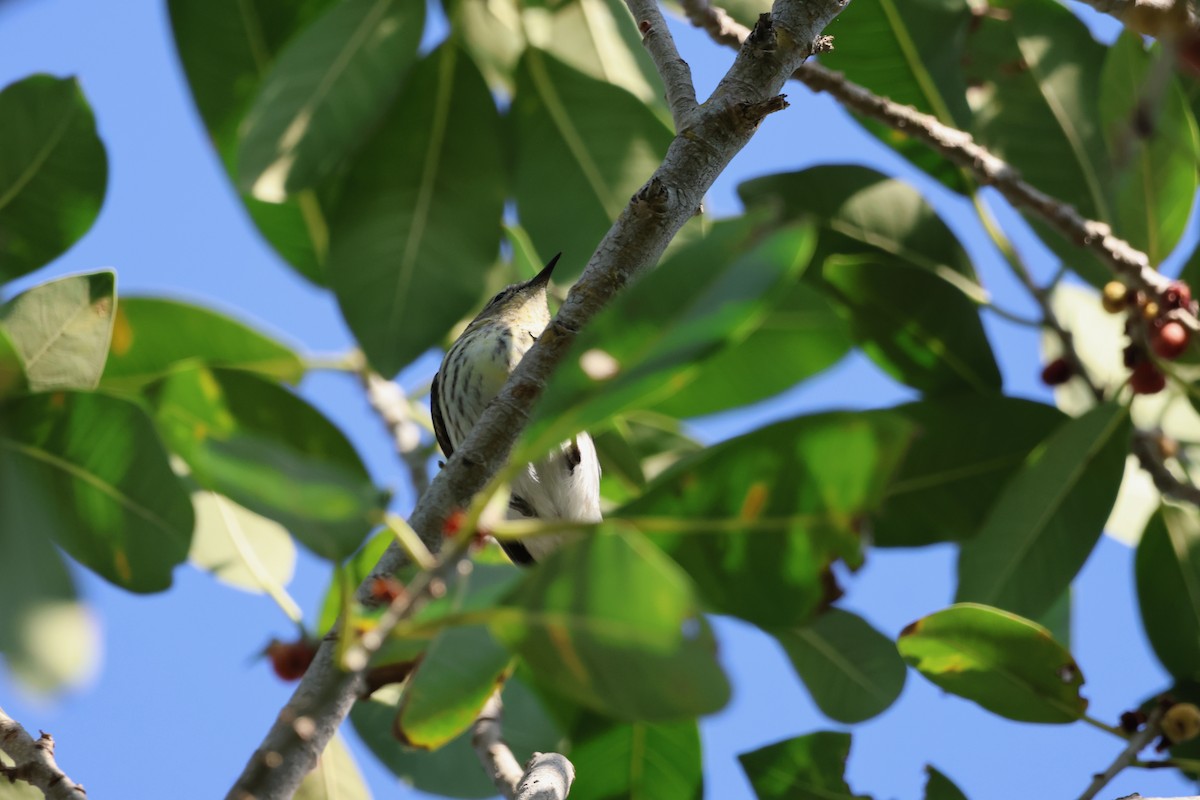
33,762
548,776
495,755
675,72
634,243
1137,742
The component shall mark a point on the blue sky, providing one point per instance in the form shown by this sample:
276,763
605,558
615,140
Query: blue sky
178,699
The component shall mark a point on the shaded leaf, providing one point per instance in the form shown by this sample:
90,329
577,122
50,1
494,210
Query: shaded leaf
579,621
1168,586
636,449
651,342
758,520
226,48
90,472
268,450
963,454
852,671
1155,178
1007,664
151,336
53,172
805,768
420,222
12,371
62,328
919,328
237,546
335,777
1049,516
583,147
939,787
636,760
329,85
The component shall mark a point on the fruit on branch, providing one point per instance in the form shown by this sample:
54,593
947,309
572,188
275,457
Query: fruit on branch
1177,295
1147,379
1057,372
1181,723
1169,340
290,660
1115,297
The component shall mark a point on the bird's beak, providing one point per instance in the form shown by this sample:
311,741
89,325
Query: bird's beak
543,277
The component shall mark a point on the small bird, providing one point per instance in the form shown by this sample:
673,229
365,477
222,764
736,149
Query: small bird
563,485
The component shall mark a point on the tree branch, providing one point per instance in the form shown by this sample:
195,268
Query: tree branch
548,776
494,753
636,241
33,762
675,72
1137,742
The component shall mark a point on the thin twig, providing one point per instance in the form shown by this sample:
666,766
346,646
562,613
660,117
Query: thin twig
33,762
495,755
675,72
1137,742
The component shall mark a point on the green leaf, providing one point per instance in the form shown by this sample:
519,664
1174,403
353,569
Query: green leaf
91,472
238,547
964,452
266,449
1049,516
227,48
583,147
635,449
805,768
912,53
852,671
335,777
939,787
12,371
53,172
1008,665
330,85
456,676
353,572
758,520
865,211
651,342
1155,177
420,222
580,622
1168,585
919,328
453,770
152,336
637,760
49,639
62,329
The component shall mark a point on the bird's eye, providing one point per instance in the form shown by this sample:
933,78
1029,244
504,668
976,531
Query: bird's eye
501,296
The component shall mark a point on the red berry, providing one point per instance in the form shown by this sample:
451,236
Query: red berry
1177,295
385,588
1170,340
1147,379
290,660
1057,372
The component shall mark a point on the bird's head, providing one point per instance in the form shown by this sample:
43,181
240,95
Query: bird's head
522,304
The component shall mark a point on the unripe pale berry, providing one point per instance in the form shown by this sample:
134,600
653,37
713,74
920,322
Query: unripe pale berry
1115,297
1181,723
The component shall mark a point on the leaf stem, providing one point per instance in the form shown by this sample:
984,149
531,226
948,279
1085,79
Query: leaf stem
408,539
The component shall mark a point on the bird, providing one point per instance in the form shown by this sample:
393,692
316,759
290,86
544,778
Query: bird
565,484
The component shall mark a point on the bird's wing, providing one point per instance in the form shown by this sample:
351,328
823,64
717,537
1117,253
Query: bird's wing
439,424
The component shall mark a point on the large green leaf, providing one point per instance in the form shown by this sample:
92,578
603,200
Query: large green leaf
581,623
91,473
1008,665
227,48
238,547
909,51
328,87
268,450
636,760
53,172
758,520
420,222
1049,516
920,329
335,777
12,371
808,767
1168,585
61,329
455,677
453,770
852,671
151,336
1155,177
651,342
964,452
865,211
583,147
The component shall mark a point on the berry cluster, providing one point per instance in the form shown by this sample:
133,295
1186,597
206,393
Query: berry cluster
1151,328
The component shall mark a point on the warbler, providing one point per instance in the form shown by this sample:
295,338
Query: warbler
563,485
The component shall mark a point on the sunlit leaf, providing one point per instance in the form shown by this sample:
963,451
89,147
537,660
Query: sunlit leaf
239,547
335,777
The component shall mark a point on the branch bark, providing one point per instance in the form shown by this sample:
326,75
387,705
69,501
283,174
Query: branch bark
749,92
33,762
487,737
